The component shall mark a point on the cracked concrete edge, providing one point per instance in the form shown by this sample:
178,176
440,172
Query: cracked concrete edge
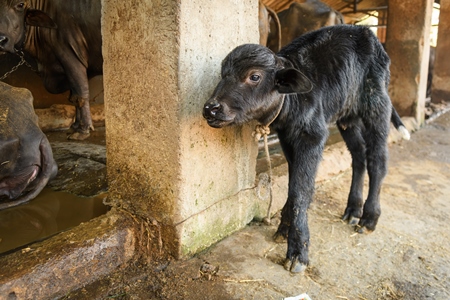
70,260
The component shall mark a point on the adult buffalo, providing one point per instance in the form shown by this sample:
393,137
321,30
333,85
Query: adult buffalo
65,39
26,158
266,17
300,18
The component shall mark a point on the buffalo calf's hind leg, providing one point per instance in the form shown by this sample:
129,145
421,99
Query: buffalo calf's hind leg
375,137
368,147
351,133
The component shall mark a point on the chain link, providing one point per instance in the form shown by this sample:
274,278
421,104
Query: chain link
21,62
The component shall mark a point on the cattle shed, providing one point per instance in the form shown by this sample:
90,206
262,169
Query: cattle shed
176,185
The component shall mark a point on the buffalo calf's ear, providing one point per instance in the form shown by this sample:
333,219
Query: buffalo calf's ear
39,18
288,81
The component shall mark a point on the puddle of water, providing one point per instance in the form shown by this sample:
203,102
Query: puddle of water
48,214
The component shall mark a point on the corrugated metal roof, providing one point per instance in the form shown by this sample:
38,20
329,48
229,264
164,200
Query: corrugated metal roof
346,7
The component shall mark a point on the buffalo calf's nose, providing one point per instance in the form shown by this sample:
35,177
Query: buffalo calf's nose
3,40
212,108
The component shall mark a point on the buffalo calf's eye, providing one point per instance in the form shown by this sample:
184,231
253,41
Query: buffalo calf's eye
255,78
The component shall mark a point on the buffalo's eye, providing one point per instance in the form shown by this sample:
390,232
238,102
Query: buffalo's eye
20,6
255,77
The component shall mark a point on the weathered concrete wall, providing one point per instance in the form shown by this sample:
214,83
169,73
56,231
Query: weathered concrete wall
162,60
441,74
216,165
408,45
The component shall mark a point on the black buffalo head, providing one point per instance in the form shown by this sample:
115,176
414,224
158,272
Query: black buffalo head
253,81
26,158
14,16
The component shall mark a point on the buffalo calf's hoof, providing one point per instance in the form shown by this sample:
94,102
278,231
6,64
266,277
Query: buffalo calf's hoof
353,221
362,229
294,266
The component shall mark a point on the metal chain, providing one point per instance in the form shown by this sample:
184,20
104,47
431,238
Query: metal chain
21,62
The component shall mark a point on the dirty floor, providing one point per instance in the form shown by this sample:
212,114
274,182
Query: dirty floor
406,257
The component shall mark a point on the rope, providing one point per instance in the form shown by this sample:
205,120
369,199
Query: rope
266,179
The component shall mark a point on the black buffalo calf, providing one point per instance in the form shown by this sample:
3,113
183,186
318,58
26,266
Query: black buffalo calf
335,74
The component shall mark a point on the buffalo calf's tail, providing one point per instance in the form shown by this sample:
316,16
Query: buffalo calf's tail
398,124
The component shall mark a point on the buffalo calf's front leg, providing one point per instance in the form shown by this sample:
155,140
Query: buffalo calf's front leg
303,160
298,239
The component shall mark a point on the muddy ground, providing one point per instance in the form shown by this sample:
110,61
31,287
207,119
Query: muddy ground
406,257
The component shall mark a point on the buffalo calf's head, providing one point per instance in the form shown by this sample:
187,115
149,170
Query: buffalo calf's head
252,84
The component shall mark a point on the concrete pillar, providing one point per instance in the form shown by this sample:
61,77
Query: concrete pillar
165,164
441,75
408,45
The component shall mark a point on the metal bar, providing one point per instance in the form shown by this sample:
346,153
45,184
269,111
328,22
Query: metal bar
377,26
344,7
364,10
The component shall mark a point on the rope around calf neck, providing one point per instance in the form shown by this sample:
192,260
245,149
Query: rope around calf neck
264,131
